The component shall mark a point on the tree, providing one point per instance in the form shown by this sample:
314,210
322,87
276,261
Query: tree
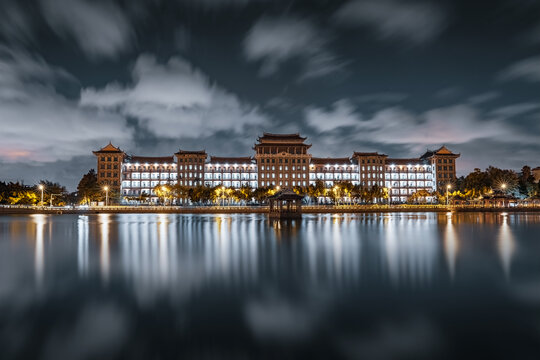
526,184
262,193
317,190
58,193
245,193
89,189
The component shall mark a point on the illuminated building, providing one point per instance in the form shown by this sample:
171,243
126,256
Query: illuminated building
280,160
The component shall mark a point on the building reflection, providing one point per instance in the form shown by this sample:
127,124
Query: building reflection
104,221
39,261
410,248
505,245
451,245
82,245
182,254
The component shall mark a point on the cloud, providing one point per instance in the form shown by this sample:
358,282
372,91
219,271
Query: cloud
483,97
275,40
15,25
343,114
100,28
527,69
38,124
455,124
174,100
416,22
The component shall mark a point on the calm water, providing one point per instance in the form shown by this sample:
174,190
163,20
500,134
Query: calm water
373,286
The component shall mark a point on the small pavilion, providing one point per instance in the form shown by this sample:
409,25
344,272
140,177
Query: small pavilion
285,204
498,199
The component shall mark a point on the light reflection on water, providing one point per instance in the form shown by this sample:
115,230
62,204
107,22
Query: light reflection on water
282,282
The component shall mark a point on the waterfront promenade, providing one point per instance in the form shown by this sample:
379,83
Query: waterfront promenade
306,209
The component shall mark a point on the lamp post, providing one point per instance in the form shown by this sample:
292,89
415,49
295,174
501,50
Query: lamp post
447,188
41,187
106,188
389,195
223,196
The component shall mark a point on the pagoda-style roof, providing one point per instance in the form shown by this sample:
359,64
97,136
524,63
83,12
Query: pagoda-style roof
191,152
442,151
281,139
287,137
151,159
285,194
331,161
109,148
359,154
231,160
499,195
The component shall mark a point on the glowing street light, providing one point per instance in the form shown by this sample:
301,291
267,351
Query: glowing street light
41,187
106,188
503,186
389,194
447,189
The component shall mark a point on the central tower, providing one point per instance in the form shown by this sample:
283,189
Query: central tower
282,160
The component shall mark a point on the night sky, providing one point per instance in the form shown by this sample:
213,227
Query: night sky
392,76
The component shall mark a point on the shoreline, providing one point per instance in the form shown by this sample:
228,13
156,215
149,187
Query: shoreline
344,209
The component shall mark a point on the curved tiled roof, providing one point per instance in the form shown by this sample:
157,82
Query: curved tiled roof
231,160
191,152
151,159
331,161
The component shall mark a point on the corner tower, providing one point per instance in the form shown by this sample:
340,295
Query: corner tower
109,166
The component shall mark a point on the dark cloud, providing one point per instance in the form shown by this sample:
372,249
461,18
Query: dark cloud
100,28
526,69
276,40
416,22
153,76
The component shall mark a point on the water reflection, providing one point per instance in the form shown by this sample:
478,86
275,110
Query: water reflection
184,253
82,245
451,245
342,282
411,248
39,261
505,245
104,256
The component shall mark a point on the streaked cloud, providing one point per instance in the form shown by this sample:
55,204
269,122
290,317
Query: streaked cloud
527,69
276,40
38,124
100,28
416,22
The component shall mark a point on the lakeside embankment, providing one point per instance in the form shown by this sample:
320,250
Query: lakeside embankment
340,209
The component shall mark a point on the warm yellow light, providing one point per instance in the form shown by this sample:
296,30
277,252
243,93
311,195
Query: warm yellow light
277,187
504,186
448,186
223,188
106,188
163,188
41,187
